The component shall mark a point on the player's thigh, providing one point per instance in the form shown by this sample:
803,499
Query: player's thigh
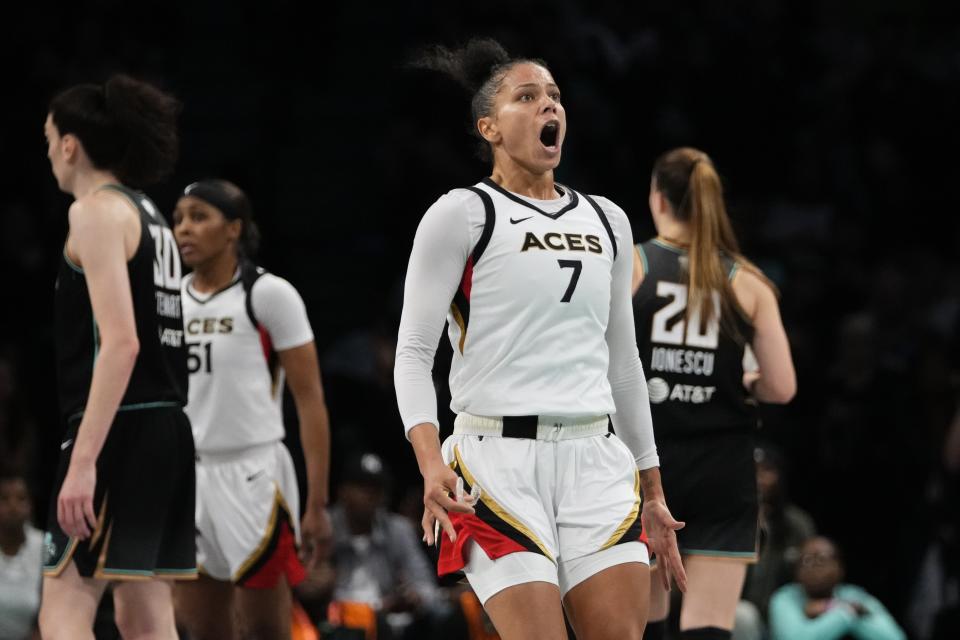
714,585
265,614
610,604
527,610
69,604
205,607
144,609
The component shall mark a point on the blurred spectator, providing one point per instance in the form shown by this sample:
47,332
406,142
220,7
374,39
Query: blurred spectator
819,606
21,560
783,528
377,559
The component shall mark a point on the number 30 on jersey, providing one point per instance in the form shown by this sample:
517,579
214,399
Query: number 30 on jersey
166,262
683,332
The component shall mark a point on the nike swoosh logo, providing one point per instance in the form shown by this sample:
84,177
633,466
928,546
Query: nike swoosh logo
512,221
250,478
65,444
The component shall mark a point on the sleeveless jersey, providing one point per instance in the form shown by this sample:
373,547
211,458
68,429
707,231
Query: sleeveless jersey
529,319
160,374
236,381
694,373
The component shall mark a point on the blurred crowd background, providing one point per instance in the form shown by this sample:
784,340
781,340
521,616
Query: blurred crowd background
833,125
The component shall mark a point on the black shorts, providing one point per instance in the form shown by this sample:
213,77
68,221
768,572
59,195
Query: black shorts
144,501
710,482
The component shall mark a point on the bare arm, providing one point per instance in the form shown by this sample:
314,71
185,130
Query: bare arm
303,378
777,380
103,235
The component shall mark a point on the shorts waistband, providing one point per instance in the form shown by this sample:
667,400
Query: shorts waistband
232,455
532,427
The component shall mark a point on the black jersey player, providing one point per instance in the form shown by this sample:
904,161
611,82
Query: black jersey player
125,501
699,306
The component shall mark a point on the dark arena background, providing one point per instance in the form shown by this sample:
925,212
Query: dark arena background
833,125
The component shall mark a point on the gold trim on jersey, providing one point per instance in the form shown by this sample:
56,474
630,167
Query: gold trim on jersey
57,569
631,517
498,510
458,318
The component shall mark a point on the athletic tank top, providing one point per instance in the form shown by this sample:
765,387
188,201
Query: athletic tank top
694,373
160,374
528,322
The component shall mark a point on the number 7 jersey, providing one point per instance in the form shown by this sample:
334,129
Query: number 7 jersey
694,369
528,322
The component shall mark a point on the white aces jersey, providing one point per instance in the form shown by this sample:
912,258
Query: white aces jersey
529,319
236,382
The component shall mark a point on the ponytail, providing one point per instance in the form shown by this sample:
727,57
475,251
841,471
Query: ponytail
690,183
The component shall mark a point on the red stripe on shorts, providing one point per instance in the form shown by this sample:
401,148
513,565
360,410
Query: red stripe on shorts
469,526
283,561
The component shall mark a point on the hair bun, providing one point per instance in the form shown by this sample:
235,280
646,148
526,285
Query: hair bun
470,65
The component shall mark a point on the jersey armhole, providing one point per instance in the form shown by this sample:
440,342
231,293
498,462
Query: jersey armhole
643,260
604,221
249,274
488,222
734,270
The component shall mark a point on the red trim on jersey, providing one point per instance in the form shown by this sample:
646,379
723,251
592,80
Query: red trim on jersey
469,526
466,283
283,562
643,536
265,342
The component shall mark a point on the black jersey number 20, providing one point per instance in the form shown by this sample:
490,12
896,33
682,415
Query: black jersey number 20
577,267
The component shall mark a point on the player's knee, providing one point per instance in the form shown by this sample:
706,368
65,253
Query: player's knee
52,626
144,623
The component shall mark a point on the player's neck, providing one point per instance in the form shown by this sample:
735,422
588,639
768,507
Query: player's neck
674,232
215,273
86,183
516,179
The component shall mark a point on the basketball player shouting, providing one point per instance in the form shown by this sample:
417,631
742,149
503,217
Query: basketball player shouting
534,278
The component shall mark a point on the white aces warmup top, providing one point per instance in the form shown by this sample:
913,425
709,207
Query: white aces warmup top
236,382
538,300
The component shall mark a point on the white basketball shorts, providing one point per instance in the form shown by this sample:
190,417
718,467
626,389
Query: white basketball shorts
570,492
248,516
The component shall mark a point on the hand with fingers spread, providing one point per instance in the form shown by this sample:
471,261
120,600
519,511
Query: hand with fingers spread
75,502
441,489
661,531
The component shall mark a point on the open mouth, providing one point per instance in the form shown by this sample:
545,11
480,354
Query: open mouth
550,134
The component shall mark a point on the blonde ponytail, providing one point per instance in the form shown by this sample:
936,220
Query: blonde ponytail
689,181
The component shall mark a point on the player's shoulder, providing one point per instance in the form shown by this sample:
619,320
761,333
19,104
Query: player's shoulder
99,206
459,206
270,289
461,198
750,279
611,209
